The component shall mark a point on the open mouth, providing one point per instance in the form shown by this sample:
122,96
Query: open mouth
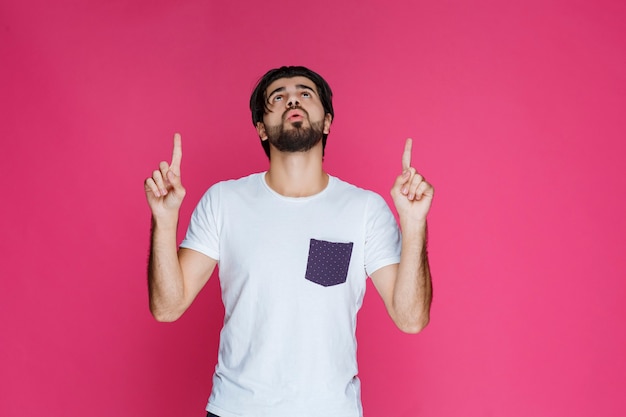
294,116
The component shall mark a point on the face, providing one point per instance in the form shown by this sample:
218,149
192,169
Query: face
295,120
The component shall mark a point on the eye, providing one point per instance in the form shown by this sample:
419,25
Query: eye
277,98
306,94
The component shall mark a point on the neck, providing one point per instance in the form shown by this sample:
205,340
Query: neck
297,174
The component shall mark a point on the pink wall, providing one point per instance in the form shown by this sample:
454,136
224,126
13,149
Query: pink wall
517,110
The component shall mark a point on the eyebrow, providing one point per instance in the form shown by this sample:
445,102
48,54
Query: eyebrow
298,87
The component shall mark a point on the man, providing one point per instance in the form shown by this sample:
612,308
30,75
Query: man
294,246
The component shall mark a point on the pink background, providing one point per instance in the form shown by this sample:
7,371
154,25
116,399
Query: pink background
518,114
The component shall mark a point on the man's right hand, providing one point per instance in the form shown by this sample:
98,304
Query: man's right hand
175,276
164,190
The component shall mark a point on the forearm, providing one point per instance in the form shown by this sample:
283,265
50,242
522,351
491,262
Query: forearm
412,293
165,277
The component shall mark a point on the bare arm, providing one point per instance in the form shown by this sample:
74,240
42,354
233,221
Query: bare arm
406,288
174,277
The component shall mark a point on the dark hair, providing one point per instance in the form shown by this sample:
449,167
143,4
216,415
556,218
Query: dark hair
258,100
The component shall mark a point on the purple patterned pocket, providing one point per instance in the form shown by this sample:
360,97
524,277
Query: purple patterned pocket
328,262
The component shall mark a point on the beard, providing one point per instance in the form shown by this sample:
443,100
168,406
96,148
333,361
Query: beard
296,139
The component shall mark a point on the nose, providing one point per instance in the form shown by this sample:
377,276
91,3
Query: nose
292,102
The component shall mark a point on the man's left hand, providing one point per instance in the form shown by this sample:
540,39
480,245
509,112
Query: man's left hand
411,194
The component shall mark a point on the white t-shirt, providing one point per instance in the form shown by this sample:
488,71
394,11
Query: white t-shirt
293,275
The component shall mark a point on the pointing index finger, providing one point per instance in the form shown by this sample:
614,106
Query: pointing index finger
177,154
406,156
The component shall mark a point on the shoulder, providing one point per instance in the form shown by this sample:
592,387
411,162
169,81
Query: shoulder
226,188
249,181
355,192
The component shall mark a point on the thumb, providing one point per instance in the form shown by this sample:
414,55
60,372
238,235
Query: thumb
174,180
401,180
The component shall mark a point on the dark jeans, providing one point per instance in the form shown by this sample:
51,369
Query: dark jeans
211,415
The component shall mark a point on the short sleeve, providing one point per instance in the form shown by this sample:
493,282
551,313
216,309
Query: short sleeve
203,231
382,235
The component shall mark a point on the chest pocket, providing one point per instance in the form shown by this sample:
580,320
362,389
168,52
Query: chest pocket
328,262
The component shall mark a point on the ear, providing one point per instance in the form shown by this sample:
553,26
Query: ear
260,128
328,119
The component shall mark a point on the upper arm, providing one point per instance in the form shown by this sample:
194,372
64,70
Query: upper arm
197,268
384,280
